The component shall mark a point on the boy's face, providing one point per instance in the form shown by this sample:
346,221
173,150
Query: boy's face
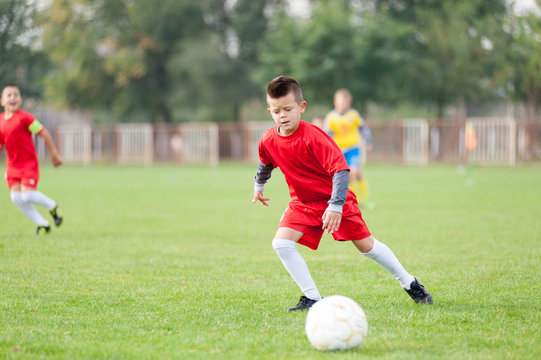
286,112
11,99
341,103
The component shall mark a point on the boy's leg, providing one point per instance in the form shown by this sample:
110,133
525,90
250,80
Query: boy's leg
285,245
33,196
383,255
353,160
360,186
36,197
296,267
380,253
28,209
363,186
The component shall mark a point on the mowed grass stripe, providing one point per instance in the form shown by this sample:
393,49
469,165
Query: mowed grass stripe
176,262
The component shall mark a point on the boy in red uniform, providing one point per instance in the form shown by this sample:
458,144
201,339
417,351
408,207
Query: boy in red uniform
22,172
317,176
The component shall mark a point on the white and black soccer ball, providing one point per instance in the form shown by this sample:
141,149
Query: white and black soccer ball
336,322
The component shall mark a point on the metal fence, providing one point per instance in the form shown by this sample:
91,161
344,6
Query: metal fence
501,141
75,143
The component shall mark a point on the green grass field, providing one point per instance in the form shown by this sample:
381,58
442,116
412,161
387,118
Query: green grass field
176,263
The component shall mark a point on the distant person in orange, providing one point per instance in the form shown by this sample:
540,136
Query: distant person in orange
471,138
22,170
471,144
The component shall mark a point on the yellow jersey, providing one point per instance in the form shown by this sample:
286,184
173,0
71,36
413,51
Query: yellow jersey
344,128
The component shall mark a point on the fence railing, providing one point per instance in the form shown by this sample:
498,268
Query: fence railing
501,141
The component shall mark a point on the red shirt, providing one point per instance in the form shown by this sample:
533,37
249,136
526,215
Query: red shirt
308,158
17,139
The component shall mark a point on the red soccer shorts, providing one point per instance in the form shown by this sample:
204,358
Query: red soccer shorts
28,179
306,218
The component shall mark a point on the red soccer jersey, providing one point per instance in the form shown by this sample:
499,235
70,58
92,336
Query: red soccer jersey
308,158
17,139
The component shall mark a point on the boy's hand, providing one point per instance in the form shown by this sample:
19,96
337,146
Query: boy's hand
331,221
258,195
56,160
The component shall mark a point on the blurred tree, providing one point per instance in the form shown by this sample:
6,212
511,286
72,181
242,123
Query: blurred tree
387,51
173,60
114,54
453,46
329,57
383,49
321,52
219,64
525,59
179,60
21,61
339,46
279,47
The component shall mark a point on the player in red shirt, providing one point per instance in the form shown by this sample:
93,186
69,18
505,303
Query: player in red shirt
317,176
22,171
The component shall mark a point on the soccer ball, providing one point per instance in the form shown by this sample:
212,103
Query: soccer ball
336,323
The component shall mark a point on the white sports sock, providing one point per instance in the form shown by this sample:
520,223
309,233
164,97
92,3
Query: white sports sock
36,197
296,267
28,209
384,256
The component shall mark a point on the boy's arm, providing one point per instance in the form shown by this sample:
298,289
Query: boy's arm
333,215
365,131
48,140
340,183
262,175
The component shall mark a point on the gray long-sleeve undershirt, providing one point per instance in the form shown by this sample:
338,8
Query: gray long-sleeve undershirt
340,183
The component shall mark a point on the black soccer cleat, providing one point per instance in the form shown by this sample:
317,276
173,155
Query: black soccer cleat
303,304
57,215
43,229
419,294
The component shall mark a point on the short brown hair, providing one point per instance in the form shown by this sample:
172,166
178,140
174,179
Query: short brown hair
10,85
343,92
282,85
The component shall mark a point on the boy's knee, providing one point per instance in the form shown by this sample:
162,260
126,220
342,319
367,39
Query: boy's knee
365,246
17,198
283,243
25,196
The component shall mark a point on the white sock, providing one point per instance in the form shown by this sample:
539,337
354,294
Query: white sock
384,256
36,197
296,267
28,209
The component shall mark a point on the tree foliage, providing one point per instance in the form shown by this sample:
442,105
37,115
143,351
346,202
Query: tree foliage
183,60
436,52
20,63
452,48
115,53
525,83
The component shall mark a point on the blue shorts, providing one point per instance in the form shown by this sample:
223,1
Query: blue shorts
353,157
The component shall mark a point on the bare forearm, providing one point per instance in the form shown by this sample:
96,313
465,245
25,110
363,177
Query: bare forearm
48,140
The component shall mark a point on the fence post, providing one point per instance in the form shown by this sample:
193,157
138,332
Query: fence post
415,141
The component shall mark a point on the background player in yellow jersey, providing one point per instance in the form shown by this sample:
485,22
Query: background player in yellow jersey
347,126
